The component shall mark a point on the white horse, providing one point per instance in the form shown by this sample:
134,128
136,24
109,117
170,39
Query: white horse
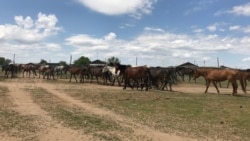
114,75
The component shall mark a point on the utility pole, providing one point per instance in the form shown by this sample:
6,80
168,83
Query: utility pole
14,58
136,61
218,62
70,60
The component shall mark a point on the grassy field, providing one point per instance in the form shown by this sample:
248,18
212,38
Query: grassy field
221,117
198,115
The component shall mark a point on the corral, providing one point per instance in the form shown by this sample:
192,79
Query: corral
41,109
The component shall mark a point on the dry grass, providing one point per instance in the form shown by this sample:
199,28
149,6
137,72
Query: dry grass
198,115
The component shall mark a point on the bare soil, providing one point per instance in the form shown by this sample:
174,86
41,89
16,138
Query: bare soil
51,130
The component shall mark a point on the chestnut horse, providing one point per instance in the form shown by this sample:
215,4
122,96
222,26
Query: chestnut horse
218,75
140,75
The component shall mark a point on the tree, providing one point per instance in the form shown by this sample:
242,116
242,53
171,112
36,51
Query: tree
82,61
7,61
43,61
2,60
113,60
63,63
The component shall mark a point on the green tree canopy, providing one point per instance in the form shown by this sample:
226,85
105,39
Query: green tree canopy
2,60
113,60
43,61
63,63
82,61
7,62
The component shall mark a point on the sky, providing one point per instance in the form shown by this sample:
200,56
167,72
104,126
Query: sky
137,32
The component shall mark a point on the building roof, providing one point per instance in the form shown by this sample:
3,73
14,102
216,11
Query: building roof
188,65
97,63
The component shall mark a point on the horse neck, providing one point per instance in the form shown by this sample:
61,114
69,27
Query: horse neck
113,70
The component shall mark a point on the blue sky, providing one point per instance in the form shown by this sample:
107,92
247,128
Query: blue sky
156,32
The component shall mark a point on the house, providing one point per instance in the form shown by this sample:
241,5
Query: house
97,63
188,65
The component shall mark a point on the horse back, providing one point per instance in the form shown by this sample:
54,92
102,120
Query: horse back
222,74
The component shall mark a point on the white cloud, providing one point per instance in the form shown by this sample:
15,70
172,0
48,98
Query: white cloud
241,10
135,8
243,29
27,37
110,36
28,31
246,59
152,47
153,29
212,28
235,27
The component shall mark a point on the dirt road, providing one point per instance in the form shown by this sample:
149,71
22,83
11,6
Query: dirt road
52,130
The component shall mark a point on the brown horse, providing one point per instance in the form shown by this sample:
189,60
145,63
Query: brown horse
140,75
95,71
12,68
245,75
182,71
29,68
74,71
218,75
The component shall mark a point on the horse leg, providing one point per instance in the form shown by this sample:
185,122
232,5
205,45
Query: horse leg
125,84
170,85
70,77
215,85
208,83
146,84
75,77
228,84
235,86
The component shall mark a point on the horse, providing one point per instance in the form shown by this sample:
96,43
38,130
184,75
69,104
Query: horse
41,69
245,74
84,73
182,71
49,72
165,76
73,72
59,70
140,75
95,71
12,68
218,75
29,68
111,70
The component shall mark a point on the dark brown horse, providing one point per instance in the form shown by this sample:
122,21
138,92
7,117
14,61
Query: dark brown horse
28,69
182,71
49,72
96,71
140,75
11,68
218,75
74,71
163,76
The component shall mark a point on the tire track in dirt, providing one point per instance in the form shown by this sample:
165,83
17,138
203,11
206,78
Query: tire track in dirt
51,131
139,130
